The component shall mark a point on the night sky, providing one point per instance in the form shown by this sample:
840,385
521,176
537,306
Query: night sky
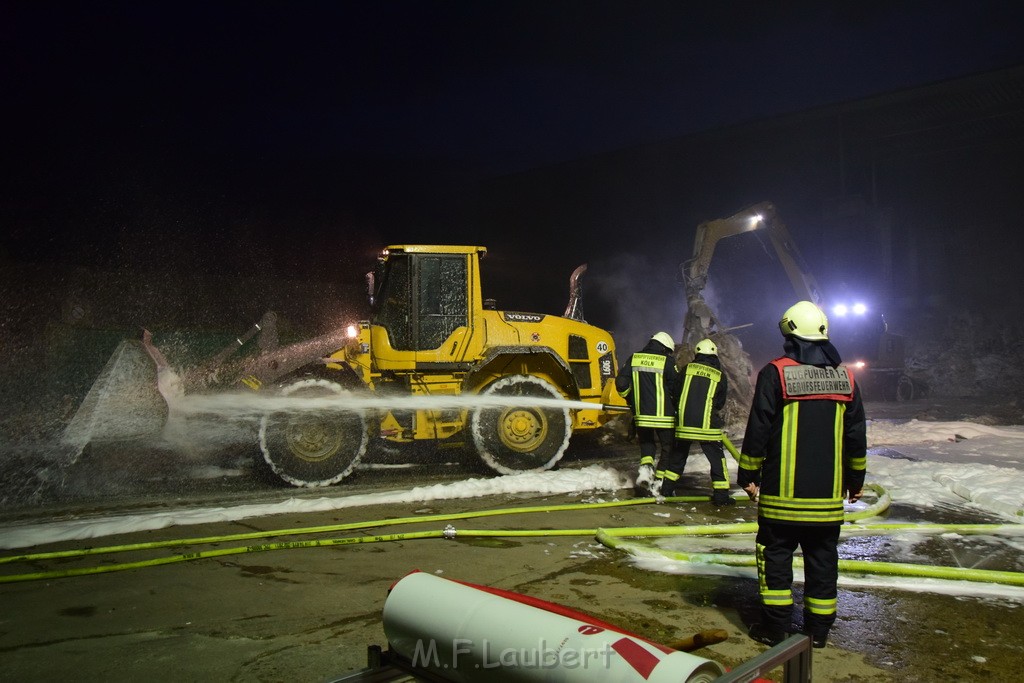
296,137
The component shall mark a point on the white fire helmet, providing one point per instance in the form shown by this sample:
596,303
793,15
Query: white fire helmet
666,339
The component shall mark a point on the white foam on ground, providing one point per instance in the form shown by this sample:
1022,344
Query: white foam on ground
588,479
982,468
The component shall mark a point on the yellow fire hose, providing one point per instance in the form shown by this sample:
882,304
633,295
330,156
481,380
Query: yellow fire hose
253,535
729,447
612,538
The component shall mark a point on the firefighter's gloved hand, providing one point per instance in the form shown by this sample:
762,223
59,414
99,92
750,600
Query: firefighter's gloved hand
854,497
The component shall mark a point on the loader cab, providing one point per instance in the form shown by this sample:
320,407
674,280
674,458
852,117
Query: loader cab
422,297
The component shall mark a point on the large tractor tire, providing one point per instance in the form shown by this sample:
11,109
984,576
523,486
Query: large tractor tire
523,437
905,389
313,447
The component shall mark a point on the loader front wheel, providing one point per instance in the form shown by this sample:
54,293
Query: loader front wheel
521,437
308,444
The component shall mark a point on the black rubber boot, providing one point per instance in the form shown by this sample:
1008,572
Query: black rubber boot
818,640
722,498
768,635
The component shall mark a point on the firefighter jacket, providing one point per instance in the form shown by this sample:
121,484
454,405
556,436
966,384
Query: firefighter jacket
702,391
805,442
649,381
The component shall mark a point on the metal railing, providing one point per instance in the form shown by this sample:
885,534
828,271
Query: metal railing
794,654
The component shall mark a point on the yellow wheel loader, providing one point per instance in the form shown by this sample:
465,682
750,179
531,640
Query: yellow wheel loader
435,363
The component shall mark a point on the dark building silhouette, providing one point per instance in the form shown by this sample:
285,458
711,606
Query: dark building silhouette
910,196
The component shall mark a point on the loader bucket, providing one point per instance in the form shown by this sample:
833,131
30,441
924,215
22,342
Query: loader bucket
123,403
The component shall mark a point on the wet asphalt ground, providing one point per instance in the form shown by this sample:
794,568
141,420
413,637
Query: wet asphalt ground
309,614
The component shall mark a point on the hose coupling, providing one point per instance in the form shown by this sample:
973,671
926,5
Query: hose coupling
449,532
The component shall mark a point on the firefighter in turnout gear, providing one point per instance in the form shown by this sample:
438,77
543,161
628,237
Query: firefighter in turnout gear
702,391
649,380
804,452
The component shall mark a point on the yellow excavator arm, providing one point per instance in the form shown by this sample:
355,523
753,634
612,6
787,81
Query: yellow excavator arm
762,218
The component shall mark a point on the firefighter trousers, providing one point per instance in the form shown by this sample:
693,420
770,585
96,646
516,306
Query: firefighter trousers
650,439
776,544
672,467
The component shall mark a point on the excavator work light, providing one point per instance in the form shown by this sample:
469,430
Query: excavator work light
841,310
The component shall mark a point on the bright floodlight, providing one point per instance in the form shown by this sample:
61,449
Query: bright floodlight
840,310
859,309
352,331
755,220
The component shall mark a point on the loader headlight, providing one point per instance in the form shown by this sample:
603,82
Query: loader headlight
352,331
859,309
840,310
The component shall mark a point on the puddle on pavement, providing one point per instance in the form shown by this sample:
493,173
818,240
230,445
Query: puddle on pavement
920,637
488,542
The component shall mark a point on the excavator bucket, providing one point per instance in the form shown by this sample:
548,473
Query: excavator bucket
123,403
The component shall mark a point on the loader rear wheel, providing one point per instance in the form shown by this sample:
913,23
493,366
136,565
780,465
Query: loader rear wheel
521,437
311,445
904,389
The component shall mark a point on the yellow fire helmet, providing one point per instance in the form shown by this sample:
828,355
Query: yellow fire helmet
706,347
804,320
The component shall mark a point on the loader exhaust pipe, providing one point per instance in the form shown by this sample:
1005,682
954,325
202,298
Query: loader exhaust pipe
574,309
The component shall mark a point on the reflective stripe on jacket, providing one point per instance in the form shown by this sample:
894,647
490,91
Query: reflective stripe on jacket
652,401
805,449
696,403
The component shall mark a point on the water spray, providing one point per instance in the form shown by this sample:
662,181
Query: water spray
243,404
